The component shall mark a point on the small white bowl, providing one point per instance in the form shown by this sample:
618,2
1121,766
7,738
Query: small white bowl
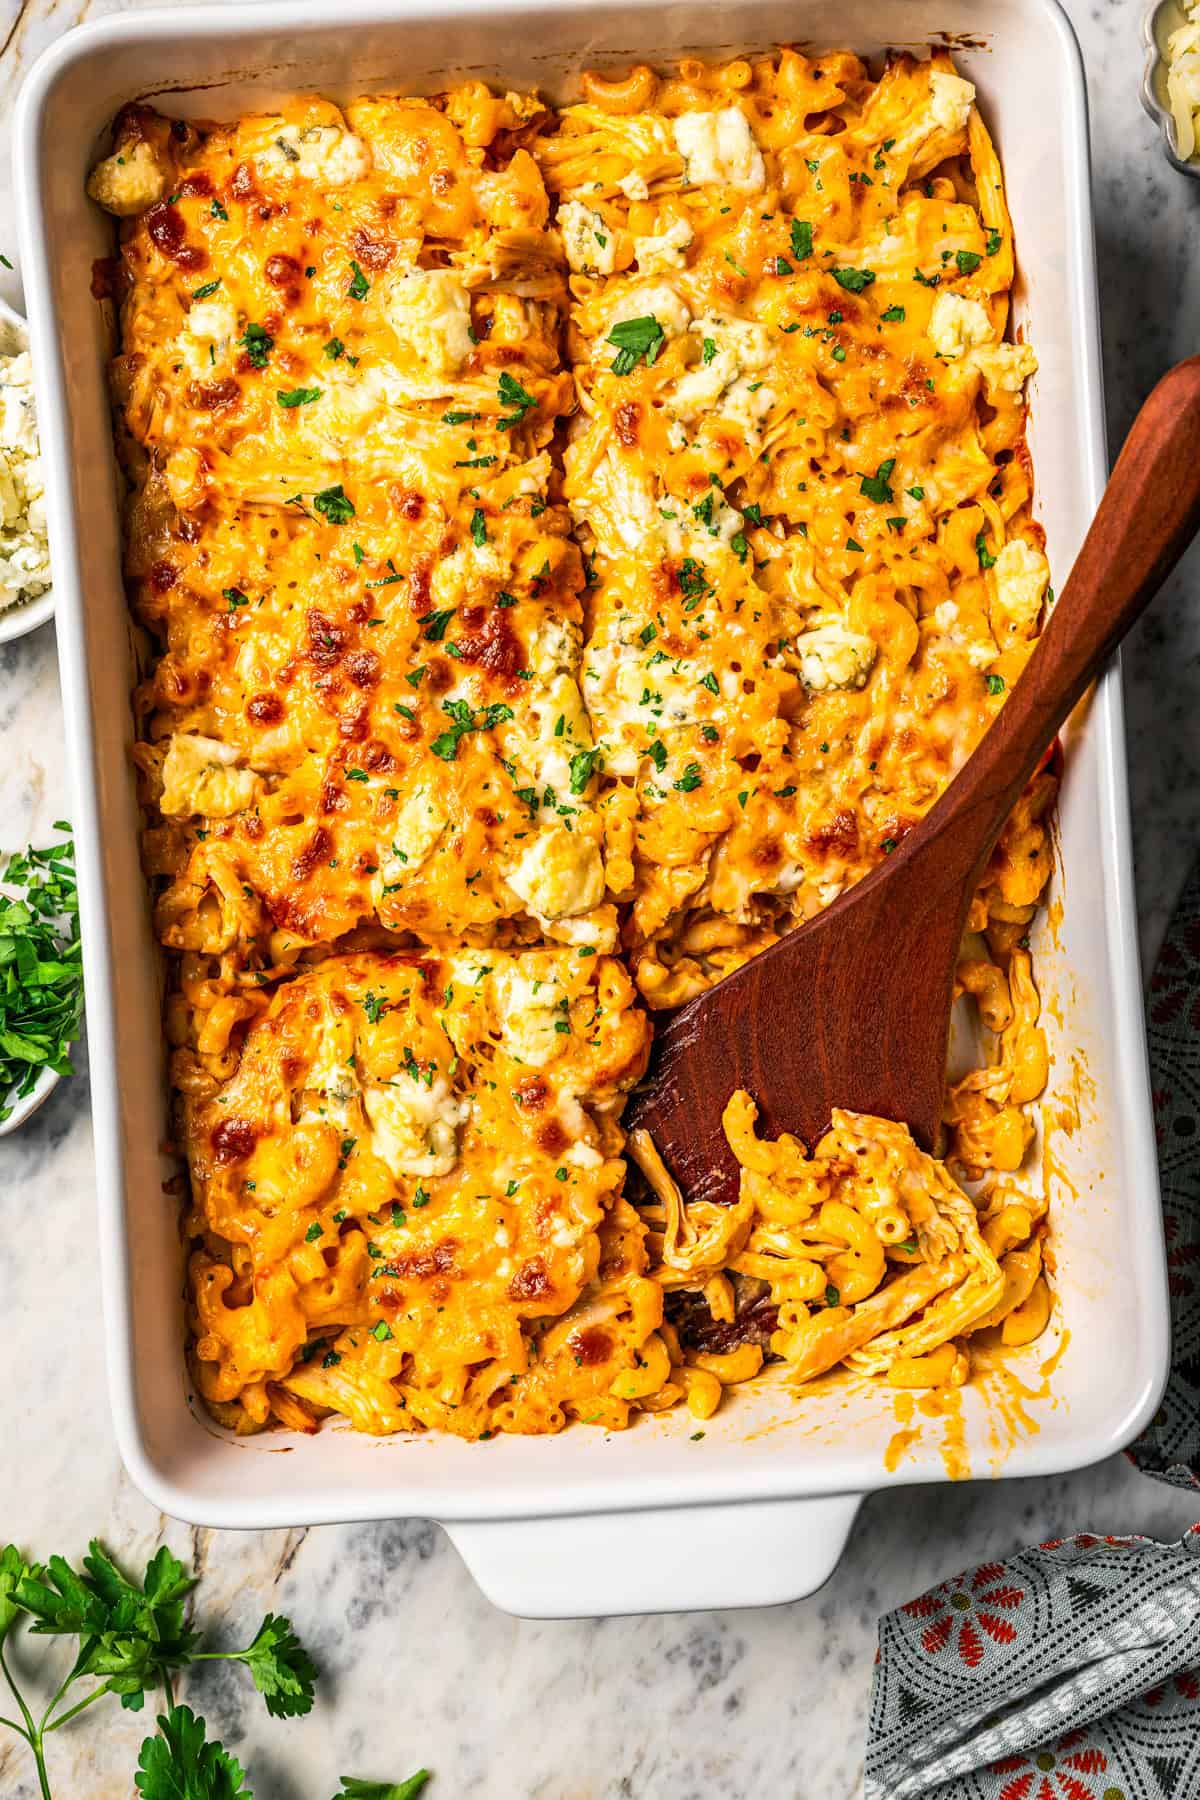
24,615
41,1090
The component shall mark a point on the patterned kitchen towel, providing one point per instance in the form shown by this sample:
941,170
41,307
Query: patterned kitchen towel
1070,1673
1169,1448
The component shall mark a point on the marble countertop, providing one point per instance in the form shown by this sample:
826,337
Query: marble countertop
417,1666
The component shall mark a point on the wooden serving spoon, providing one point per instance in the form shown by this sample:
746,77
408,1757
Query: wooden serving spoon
852,1009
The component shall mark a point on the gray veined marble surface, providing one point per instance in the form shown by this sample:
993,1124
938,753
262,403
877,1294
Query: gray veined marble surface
418,1668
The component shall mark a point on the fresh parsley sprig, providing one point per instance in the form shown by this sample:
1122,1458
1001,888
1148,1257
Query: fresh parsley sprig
41,974
133,1639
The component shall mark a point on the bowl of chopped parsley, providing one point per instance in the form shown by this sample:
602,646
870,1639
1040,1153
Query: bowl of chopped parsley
41,975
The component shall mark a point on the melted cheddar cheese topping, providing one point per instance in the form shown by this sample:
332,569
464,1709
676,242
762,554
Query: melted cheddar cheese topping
571,546
798,465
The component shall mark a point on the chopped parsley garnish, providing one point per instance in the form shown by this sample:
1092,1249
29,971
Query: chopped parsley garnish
994,241
290,397
315,1230
968,261
689,780
478,527
986,559
995,684
853,544
832,1297
708,350
334,348
893,316
917,493
359,287
381,1331
802,239
875,486
334,505
511,393
853,280
235,598
693,582
583,767
433,630
635,340
210,287
258,343
41,978
465,718
218,211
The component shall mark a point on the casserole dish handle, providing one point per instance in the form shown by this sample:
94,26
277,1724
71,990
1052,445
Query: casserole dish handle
669,1559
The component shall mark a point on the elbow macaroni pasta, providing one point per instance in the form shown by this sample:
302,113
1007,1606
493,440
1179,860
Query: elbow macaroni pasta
570,547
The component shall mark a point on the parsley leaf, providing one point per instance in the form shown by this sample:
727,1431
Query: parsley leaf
802,239
875,486
434,627
995,684
209,288
994,241
258,344
465,718
893,316
290,397
478,527
353,1789
181,1764
986,559
13,1571
334,504
968,261
283,1671
359,287
511,393
583,766
853,280
635,339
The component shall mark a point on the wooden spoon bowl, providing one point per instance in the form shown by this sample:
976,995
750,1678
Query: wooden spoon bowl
852,1009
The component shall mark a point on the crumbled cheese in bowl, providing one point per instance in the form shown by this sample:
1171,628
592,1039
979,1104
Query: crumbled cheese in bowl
24,555
1183,80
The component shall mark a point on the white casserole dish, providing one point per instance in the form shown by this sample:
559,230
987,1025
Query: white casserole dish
651,1519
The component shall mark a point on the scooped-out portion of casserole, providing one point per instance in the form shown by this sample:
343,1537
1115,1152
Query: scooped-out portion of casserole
570,546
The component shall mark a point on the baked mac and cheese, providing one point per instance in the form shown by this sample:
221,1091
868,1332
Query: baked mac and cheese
571,545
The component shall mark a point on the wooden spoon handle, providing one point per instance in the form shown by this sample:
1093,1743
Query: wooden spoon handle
1146,519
